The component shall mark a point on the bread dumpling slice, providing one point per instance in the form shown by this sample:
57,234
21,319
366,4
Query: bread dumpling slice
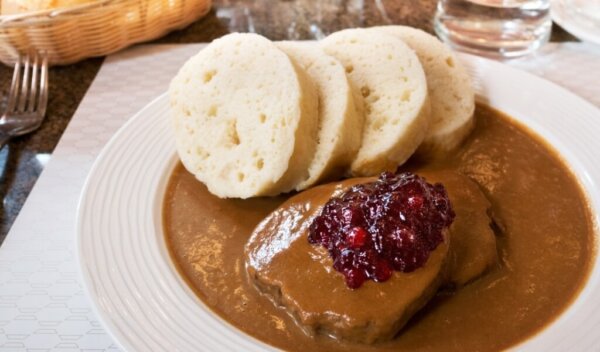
450,90
245,117
393,86
340,122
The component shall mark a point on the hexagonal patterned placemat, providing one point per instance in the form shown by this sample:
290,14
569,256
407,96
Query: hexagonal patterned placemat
42,304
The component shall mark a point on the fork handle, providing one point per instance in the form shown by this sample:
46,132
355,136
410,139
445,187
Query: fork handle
4,138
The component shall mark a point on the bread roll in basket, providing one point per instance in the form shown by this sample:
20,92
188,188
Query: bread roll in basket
72,30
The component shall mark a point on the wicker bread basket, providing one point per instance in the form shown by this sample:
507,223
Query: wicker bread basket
93,29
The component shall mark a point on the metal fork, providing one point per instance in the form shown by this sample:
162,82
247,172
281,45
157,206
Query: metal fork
27,99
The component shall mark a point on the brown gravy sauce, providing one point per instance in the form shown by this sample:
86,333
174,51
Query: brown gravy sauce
545,242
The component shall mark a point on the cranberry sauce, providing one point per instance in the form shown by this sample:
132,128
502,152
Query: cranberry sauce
374,228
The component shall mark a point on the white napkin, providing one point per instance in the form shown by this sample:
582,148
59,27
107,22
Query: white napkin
42,304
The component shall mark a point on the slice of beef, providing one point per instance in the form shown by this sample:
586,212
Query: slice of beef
299,277
472,240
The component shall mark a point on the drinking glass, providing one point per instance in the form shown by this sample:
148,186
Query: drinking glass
496,28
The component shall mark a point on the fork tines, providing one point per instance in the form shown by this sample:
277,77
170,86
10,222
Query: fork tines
33,96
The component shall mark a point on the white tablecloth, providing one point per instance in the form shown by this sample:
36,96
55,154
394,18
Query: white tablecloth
42,304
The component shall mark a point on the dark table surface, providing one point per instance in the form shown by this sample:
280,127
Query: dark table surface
23,159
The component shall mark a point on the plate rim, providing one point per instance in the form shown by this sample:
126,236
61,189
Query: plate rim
562,19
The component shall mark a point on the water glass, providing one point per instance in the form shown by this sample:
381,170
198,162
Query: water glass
495,28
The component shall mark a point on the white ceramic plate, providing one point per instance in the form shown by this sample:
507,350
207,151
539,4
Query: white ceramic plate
579,17
146,305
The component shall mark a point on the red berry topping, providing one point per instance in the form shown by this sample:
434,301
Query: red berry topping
375,228
357,237
354,277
